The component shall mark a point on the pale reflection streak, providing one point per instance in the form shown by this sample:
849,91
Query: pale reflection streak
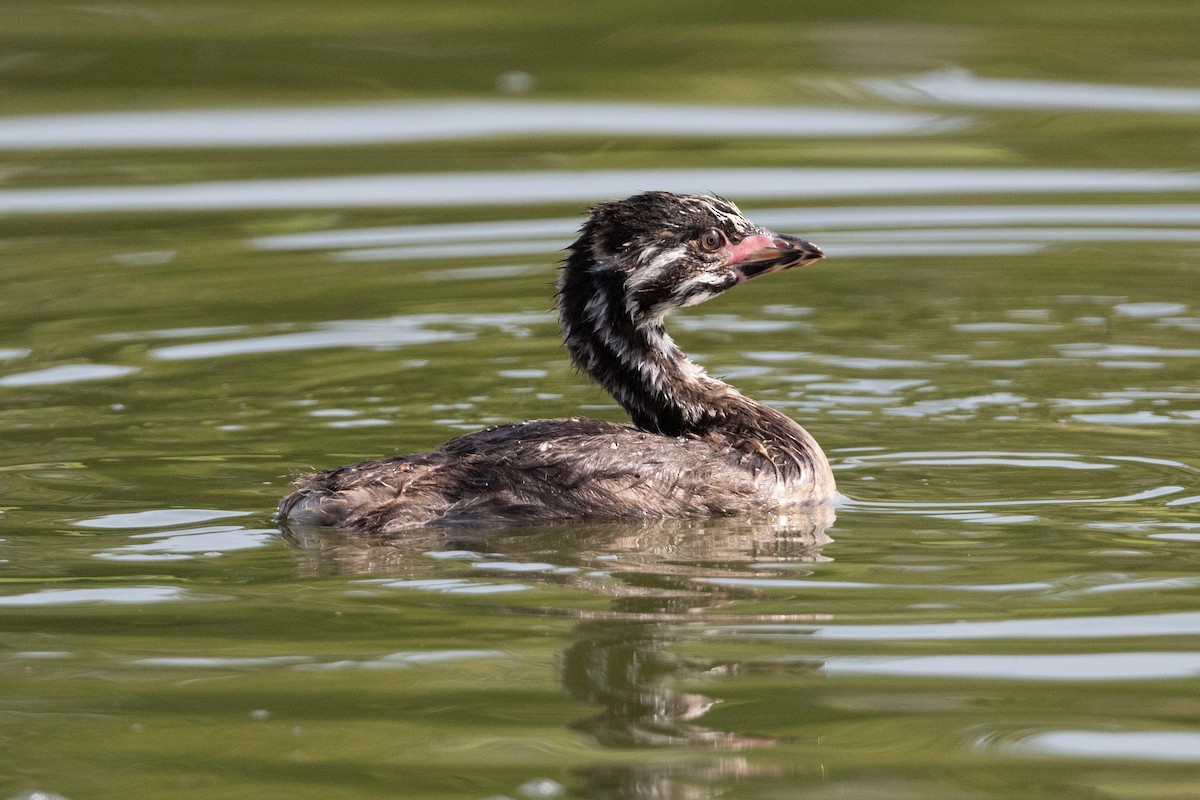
948,216
984,510
819,585
182,545
158,518
1185,623
1037,667
67,373
424,190
925,508
867,250
378,334
1139,745
961,457
455,232
440,121
174,543
119,595
916,231
451,250
798,218
546,236
1024,234
961,87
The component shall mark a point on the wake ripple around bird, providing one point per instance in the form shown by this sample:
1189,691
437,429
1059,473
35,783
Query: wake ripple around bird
1006,483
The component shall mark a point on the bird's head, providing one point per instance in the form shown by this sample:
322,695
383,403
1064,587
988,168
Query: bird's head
668,251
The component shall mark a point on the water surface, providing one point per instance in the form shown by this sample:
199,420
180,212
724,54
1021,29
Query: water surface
223,267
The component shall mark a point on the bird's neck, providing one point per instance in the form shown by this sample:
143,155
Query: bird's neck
639,364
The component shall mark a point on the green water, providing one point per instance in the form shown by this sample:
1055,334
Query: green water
1000,357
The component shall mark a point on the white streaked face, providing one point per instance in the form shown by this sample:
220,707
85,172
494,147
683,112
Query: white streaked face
686,265
670,251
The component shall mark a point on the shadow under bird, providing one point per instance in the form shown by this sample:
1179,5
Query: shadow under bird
696,448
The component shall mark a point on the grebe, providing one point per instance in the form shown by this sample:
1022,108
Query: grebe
697,447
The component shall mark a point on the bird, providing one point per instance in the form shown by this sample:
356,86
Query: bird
695,446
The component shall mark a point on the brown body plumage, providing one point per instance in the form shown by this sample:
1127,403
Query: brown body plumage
697,447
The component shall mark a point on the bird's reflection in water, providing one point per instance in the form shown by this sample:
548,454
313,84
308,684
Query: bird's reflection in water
687,547
622,659
627,669
688,781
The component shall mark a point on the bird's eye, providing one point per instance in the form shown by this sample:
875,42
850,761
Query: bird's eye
711,240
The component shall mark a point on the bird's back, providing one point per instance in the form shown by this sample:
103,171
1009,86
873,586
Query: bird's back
548,470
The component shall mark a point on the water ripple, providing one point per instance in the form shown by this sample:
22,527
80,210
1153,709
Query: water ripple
436,122
1076,667
961,87
788,583
178,545
450,586
67,373
423,190
1109,745
400,331
404,660
1097,350
797,219
901,507
1184,623
158,518
1000,469
119,595
1141,418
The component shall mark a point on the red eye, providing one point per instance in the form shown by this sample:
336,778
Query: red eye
711,240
